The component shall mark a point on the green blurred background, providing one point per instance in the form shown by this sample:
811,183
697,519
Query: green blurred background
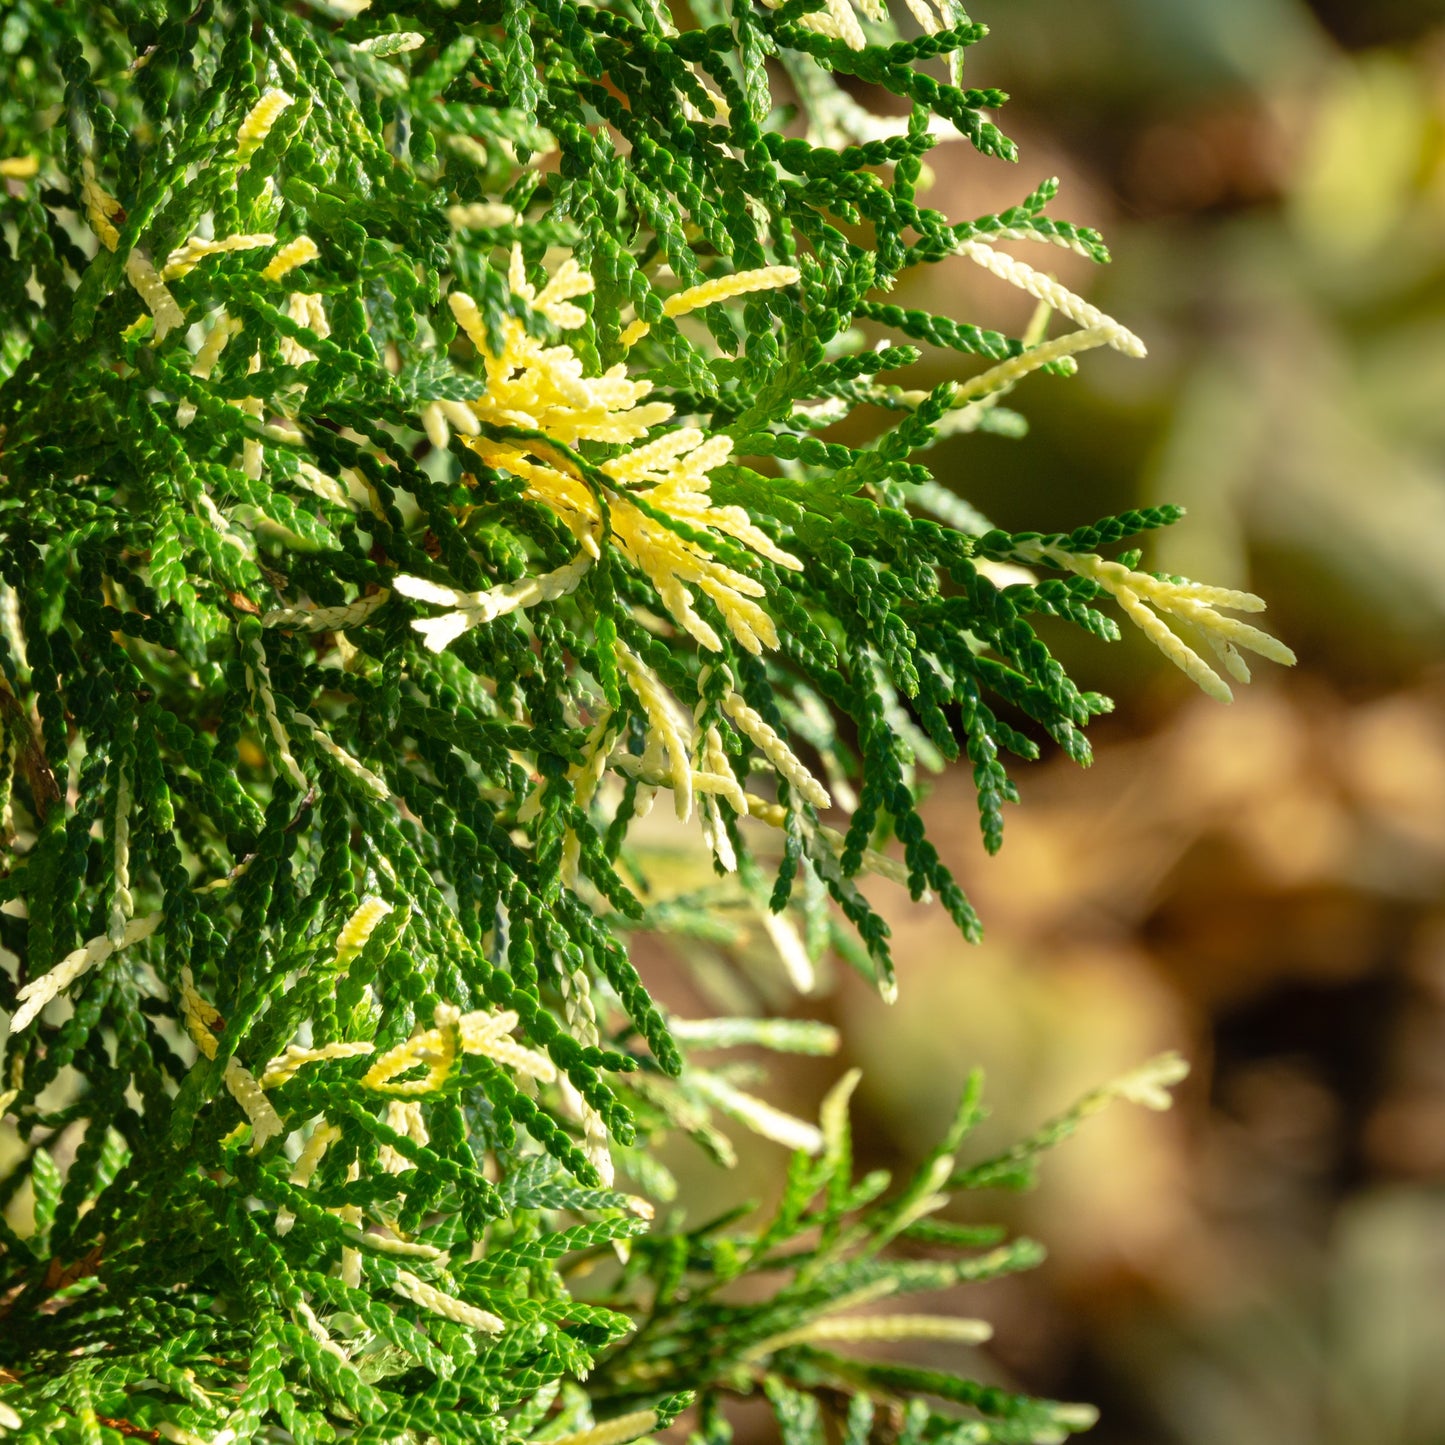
1259,886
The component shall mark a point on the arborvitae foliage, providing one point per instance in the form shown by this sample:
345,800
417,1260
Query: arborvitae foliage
411,465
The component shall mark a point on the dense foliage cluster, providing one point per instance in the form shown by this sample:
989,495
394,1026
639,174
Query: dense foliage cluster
414,461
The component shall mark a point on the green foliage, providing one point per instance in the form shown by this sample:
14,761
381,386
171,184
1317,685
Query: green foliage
325,1037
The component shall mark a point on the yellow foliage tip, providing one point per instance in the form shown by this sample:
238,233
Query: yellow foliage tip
154,292
289,257
1146,600
1056,296
475,608
285,1065
358,928
755,728
200,1016
724,288
100,206
184,259
546,389
265,1121
258,122
435,1050
555,298
419,1292
34,996
617,1431
480,215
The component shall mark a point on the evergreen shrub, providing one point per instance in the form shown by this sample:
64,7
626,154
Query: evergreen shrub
419,452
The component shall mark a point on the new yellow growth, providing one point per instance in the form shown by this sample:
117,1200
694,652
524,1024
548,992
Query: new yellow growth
19,168
617,1431
357,929
710,292
222,330
540,388
408,1286
322,1138
438,417
1191,604
328,489
544,391
483,215
879,1327
1006,373
38,992
290,256
928,21
669,732
306,309
1058,297
405,1116
436,1050
100,206
475,608
838,20
724,288
258,122
184,259
284,1066
1096,329
265,1121
200,1015
777,752
153,291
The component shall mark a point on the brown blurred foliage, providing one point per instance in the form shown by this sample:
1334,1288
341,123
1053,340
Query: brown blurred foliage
1259,886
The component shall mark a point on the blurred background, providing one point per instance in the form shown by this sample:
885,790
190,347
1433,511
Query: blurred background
1259,886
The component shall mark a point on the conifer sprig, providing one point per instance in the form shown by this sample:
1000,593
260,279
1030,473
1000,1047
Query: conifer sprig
410,465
